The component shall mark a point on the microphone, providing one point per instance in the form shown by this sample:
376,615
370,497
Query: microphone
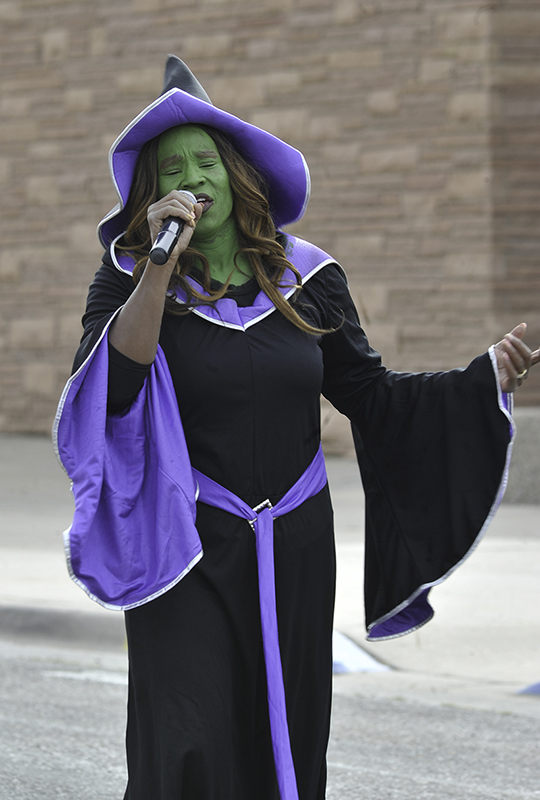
168,236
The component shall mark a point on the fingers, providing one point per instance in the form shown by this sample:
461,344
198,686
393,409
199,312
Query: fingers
198,210
519,330
178,195
514,358
175,204
518,353
535,357
518,357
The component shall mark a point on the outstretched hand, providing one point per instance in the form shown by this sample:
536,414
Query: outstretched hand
514,358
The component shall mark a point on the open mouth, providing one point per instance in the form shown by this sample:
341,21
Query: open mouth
205,200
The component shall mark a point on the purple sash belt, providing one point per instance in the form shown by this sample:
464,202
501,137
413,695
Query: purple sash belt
261,518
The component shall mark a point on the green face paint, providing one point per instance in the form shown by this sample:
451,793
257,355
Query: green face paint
188,159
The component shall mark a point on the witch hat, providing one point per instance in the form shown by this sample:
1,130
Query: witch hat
184,101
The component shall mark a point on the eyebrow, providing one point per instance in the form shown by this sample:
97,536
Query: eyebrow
176,159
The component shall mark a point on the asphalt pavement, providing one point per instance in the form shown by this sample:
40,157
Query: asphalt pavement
447,721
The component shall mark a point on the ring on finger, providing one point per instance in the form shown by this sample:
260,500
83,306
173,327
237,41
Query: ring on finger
523,374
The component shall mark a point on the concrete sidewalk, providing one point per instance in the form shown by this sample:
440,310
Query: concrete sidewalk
481,648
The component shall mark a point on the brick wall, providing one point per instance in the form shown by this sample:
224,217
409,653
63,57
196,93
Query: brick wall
415,160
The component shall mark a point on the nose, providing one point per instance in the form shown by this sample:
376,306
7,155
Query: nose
193,177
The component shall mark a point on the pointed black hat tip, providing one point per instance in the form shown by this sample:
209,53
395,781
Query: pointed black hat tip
179,76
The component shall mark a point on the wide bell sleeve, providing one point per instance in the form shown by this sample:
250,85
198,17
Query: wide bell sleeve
433,451
133,534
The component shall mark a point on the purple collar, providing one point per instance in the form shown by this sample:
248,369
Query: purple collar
306,257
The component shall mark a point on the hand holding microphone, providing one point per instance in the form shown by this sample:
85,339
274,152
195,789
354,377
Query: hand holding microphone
168,236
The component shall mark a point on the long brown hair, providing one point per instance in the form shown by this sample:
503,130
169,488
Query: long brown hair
256,234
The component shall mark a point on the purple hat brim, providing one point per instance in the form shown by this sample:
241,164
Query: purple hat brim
283,167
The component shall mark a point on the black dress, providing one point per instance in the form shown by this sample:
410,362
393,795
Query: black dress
198,724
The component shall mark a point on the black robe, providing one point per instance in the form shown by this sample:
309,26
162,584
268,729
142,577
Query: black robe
432,450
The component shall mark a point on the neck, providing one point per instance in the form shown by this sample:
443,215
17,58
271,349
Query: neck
220,251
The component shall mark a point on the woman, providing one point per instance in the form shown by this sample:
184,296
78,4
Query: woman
240,331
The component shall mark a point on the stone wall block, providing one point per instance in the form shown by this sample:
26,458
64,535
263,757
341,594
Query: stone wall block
371,300
147,81
431,246
517,22
21,131
332,153
39,378
288,123
515,74
69,330
73,185
83,239
356,246
10,11
35,332
105,142
475,265
346,11
14,106
270,5
313,19
316,74
236,92
146,5
277,83
384,337
55,44
242,8
260,49
383,102
435,69
312,3
432,332
397,159
466,24
45,150
42,190
418,205
402,244
323,128
467,185
10,265
355,59
6,169
98,41
80,99
469,105
477,53
210,46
